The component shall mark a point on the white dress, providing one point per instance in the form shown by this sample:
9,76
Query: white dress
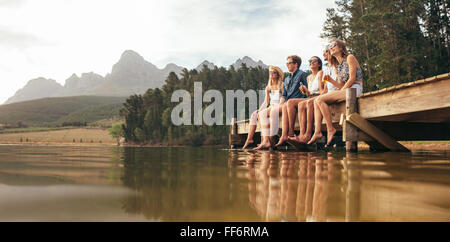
313,86
274,97
330,71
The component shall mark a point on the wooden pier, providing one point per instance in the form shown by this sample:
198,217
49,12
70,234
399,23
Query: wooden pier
412,111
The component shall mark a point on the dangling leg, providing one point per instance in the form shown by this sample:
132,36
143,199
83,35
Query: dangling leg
310,112
301,107
265,129
285,127
317,123
253,123
325,109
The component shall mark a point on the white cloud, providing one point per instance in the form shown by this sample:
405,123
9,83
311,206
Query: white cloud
55,38
11,3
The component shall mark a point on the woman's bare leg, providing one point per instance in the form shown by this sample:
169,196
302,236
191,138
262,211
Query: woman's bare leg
310,112
265,129
317,123
323,102
253,123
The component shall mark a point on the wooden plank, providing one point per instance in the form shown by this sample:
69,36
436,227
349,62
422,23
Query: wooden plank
429,96
375,133
441,115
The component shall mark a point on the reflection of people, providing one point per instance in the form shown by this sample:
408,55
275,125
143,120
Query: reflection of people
292,186
258,181
273,200
289,182
320,192
301,189
273,92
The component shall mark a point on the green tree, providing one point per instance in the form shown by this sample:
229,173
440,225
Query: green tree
394,41
116,131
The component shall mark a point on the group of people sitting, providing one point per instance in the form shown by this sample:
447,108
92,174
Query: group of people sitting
305,96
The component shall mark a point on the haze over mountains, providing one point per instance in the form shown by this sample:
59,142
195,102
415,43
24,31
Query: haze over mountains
132,74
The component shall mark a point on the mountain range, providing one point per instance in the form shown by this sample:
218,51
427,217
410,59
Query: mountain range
132,74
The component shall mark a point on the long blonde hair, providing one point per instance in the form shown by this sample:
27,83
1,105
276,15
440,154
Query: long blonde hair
278,83
328,59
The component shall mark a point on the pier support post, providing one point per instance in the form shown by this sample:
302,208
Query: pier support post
350,131
233,131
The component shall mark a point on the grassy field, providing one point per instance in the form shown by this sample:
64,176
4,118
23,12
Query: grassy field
32,129
74,136
54,111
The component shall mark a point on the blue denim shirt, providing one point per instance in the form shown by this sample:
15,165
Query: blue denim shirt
291,85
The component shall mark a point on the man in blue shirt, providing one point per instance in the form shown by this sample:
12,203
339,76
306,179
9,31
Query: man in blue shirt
291,96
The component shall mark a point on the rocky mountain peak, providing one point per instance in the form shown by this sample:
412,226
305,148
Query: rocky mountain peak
249,62
208,64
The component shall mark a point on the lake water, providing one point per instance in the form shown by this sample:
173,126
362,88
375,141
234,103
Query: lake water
45,183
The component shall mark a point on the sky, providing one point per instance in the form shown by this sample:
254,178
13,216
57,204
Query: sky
57,38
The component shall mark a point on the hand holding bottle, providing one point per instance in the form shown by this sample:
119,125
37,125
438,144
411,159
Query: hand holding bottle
303,89
326,78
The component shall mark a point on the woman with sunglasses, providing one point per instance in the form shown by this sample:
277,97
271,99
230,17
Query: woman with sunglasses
273,93
331,83
349,75
306,107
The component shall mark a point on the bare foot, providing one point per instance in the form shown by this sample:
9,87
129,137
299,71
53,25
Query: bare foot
257,147
330,136
295,138
263,146
247,143
315,137
281,141
305,138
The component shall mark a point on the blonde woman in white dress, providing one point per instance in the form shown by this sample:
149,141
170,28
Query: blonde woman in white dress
272,98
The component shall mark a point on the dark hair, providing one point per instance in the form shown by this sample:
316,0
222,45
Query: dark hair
296,59
318,61
344,53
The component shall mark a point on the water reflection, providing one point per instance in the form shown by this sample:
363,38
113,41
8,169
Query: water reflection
177,184
294,186
210,184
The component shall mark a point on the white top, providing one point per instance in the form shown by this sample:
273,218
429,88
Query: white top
330,71
313,86
274,97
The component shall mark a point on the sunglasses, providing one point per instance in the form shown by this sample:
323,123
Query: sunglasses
273,72
288,63
313,60
332,45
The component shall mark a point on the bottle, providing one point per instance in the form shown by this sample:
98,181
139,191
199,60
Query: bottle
326,78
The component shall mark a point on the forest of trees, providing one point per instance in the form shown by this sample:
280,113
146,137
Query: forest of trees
394,41
148,116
